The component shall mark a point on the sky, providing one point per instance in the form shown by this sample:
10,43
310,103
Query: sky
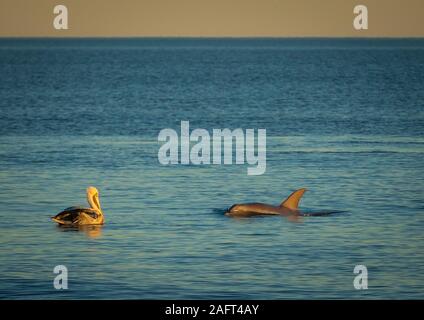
212,18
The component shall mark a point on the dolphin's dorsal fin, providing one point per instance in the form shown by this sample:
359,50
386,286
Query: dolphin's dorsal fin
292,202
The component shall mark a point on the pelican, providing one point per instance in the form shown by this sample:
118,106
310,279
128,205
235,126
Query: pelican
77,216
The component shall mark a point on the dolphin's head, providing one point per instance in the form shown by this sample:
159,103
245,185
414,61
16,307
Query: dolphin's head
231,210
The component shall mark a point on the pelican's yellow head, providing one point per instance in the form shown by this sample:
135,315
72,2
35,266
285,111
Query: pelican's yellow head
93,198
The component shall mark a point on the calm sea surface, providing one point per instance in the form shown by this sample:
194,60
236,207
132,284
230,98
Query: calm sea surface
344,118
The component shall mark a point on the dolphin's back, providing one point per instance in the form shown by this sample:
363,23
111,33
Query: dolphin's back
249,209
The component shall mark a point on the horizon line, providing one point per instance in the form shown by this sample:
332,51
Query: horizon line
210,37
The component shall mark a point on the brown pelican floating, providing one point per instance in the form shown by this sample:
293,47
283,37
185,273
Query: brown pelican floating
77,216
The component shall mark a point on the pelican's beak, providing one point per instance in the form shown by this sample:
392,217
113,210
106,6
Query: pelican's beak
93,198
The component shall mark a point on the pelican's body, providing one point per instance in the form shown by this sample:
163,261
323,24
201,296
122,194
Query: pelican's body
77,216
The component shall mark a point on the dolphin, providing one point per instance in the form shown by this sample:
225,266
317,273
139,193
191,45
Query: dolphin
288,208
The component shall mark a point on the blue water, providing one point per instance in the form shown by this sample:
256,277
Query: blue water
344,118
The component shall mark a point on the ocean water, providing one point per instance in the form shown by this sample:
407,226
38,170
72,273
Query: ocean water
344,118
